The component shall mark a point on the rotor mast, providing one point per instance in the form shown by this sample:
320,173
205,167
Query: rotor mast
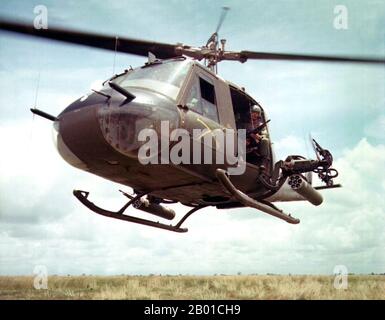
211,61
214,50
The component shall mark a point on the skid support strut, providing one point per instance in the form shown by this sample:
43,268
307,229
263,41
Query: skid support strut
250,202
82,196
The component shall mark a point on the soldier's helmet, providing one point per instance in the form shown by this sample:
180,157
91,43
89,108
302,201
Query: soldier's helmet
256,109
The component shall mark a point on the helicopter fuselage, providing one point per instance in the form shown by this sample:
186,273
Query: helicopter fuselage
101,137
99,133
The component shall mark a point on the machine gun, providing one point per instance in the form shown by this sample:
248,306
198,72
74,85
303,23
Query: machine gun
296,165
257,130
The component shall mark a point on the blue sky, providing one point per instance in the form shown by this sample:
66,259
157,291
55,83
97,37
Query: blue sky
340,104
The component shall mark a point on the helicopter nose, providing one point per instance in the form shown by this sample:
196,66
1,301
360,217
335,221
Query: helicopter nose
63,149
76,136
92,135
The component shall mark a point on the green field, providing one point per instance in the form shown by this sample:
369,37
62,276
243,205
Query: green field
193,287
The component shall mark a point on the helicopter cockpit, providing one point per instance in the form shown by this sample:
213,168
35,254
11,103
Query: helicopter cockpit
165,77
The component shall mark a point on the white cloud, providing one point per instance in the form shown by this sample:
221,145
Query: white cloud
290,145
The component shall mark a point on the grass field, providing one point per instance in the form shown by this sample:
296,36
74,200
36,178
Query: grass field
193,287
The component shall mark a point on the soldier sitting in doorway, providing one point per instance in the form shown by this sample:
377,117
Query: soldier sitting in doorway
257,144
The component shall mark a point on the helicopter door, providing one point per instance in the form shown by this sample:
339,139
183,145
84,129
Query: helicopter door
242,104
209,96
241,107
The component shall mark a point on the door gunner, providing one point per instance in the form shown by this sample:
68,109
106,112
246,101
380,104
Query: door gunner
257,143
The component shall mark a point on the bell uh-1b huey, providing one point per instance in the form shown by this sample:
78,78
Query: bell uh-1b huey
101,131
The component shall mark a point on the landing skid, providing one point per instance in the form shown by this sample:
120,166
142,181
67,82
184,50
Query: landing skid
243,198
82,196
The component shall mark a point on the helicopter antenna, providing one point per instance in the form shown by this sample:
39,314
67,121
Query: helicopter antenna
212,43
116,47
35,104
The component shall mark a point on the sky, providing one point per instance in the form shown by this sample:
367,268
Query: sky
341,105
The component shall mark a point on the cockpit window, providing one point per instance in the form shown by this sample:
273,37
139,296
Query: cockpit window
166,77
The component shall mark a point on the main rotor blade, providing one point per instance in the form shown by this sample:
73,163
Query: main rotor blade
126,45
304,57
222,18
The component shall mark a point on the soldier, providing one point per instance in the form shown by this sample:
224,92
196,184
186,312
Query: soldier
257,148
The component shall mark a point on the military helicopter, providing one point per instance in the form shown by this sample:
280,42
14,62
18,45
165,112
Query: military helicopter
99,132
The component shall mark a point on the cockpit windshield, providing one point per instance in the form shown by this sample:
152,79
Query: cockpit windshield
165,77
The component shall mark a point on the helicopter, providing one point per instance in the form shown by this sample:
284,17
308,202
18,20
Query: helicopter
179,85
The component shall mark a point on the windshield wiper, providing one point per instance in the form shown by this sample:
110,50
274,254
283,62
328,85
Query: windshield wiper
102,94
129,96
